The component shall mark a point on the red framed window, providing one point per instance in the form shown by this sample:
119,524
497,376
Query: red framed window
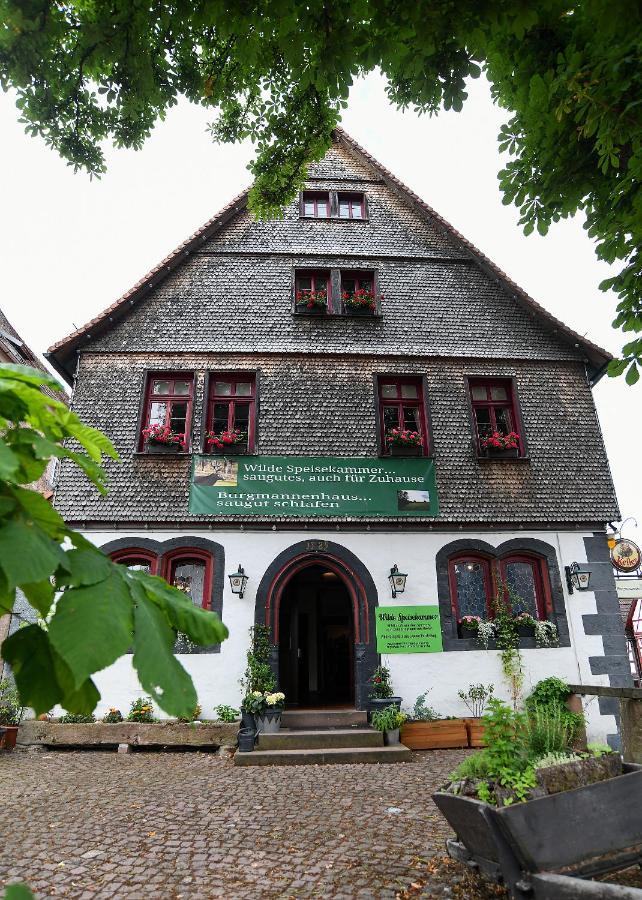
633,632
357,281
474,579
134,558
352,206
312,285
315,204
494,409
231,408
168,407
191,572
402,409
471,586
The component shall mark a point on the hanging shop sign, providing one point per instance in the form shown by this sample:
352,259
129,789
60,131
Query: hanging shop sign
408,629
310,486
625,555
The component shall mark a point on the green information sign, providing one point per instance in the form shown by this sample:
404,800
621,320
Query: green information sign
408,629
312,486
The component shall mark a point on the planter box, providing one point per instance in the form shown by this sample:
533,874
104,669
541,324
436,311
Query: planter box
358,311
441,734
500,454
163,449
475,731
137,734
229,450
302,309
375,704
588,831
398,450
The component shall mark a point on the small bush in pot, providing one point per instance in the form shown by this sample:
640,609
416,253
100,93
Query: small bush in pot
113,717
226,713
141,710
195,717
11,713
381,692
476,698
389,720
266,706
77,719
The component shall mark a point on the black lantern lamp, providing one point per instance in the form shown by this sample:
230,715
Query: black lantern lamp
577,578
238,581
397,581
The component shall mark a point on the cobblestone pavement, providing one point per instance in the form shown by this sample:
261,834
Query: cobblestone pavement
185,825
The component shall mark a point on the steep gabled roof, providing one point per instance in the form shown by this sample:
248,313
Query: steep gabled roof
62,354
17,352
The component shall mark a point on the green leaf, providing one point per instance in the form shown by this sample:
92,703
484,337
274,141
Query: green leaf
82,700
31,657
18,892
92,626
27,554
29,375
40,595
40,511
633,375
9,462
159,672
86,566
200,625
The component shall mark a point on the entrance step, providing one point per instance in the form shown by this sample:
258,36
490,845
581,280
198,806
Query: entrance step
326,756
320,740
307,719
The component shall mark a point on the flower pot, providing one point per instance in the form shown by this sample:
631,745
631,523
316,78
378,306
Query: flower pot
310,311
405,450
8,735
358,311
464,632
525,630
155,448
391,736
268,721
229,450
375,704
496,453
247,720
246,740
434,735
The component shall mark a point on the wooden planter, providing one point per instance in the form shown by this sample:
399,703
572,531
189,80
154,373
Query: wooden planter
399,450
441,734
229,450
358,311
491,453
163,449
585,832
303,310
475,731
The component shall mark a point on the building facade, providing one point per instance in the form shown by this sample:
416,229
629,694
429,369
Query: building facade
313,340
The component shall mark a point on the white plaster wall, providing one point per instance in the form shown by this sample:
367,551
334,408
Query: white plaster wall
216,676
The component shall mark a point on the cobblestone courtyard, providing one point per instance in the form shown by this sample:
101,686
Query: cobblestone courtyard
171,825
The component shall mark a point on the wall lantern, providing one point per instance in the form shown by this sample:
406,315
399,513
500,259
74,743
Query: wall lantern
238,581
397,581
577,578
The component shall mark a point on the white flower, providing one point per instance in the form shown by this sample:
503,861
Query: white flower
257,694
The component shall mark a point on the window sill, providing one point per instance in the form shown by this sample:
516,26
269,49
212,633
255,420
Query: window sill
299,313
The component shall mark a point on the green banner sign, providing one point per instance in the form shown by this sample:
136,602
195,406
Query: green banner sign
296,486
408,629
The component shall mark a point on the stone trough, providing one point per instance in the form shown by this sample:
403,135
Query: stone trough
221,736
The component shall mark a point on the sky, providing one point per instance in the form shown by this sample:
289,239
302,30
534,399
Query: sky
70,246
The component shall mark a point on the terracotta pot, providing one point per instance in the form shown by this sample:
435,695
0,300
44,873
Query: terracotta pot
8,739
440,734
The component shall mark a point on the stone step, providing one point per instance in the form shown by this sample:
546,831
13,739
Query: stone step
307,719
328,756
299,739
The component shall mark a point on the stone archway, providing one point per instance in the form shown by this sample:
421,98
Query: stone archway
361,589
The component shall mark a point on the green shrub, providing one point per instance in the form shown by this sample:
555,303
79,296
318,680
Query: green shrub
258,674
380,681
554,759
548,732
195,716
599,749
551,694
421,712
113,716
141,710
388,719
77,719
476,697
473,767
226,713
11,711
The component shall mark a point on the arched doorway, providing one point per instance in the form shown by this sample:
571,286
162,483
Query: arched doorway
299,569
316,639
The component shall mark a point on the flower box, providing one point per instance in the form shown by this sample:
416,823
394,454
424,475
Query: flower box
434,735
357,310
155,448
405,450
228,450
475,731
500,453
304,309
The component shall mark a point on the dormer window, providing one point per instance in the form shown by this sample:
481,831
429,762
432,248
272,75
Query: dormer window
352,206
315,204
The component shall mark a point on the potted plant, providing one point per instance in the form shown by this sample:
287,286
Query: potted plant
425,729
389,720
11,713
468,625
161,439
258,675
232,442
525,624
266,706
404,442
381,693
312,303
476,698
113,717
359,303
500,445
